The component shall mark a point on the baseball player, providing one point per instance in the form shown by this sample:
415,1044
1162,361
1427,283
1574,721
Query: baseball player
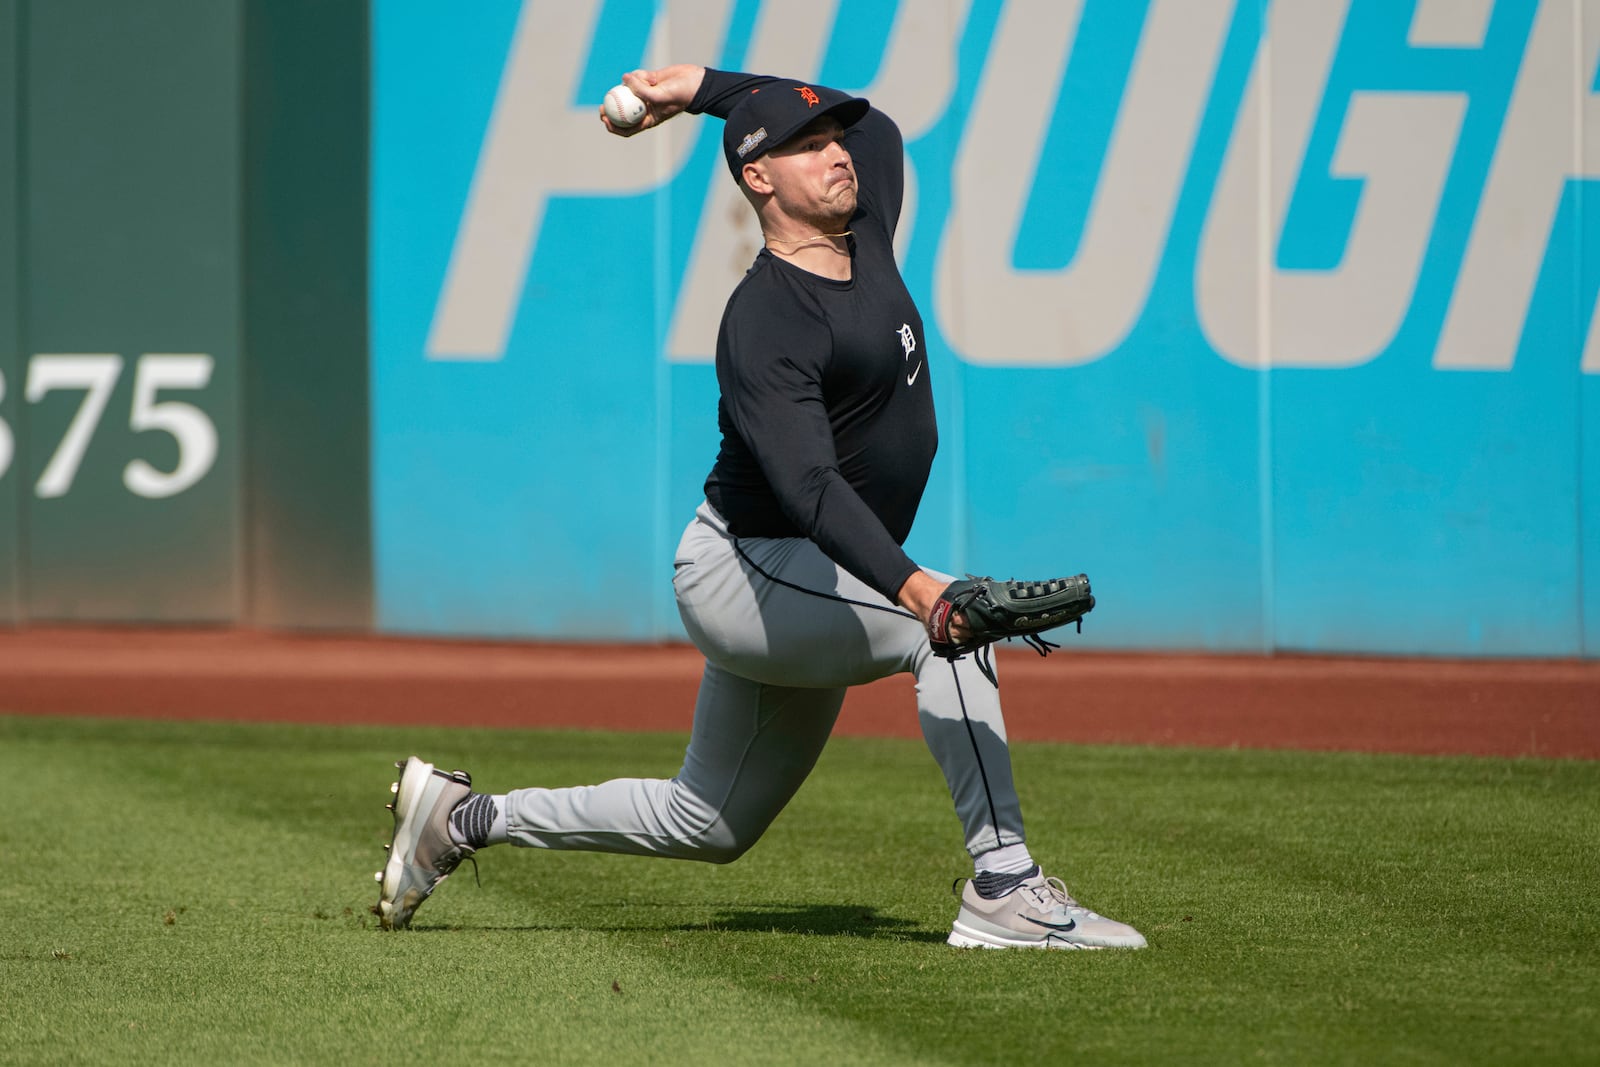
791,578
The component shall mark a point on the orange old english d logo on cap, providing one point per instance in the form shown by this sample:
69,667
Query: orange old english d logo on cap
809,95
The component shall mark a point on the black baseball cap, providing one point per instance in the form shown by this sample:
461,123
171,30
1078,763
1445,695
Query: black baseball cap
772,114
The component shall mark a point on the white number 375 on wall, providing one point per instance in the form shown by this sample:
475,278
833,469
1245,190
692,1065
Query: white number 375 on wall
96,375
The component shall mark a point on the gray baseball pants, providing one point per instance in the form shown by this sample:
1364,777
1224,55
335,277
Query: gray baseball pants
778,662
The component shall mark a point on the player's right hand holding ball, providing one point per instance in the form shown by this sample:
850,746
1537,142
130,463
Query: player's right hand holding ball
650,97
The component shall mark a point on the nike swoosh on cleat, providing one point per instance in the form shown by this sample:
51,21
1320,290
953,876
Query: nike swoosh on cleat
912,377
1070,924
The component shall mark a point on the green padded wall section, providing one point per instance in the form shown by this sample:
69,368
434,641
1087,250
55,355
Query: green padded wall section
131,309
10,327
307,498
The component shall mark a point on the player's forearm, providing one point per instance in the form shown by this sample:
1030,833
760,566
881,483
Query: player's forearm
680,87
719,90
815,497
851,534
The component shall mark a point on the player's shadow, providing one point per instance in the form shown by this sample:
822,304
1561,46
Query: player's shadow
816,920
811,920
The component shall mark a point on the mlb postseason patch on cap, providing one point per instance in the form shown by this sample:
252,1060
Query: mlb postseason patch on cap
751,141
770,115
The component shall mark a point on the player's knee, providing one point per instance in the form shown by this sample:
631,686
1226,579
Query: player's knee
723,855
721,843
713,831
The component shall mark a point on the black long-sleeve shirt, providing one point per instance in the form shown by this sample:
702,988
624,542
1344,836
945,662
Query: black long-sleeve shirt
826,411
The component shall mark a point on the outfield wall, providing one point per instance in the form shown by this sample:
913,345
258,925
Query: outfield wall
1276,318
183,433
122,398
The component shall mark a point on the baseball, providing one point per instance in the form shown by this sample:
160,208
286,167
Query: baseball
623,107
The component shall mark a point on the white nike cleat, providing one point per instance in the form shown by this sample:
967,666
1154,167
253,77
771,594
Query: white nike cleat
1039,913
423,853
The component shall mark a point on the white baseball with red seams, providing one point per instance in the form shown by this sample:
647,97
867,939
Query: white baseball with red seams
623,106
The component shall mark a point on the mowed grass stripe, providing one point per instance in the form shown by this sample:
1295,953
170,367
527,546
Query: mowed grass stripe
1332,908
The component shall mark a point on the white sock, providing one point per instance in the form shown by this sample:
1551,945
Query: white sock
1012,859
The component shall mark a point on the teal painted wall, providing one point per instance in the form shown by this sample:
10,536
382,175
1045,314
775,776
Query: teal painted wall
1370,428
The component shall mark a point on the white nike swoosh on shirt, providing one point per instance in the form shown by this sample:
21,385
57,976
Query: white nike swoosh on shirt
912,377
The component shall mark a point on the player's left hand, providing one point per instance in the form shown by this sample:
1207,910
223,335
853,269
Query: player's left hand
974,612
920,593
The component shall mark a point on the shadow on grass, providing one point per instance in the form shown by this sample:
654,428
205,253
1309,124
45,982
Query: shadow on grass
822,920
813,920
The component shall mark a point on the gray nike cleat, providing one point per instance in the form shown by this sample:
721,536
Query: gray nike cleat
1039,913
423,853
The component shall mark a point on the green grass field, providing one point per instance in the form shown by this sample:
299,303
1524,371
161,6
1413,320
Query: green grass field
199,893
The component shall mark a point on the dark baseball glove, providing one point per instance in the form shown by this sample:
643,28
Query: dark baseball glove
994,610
